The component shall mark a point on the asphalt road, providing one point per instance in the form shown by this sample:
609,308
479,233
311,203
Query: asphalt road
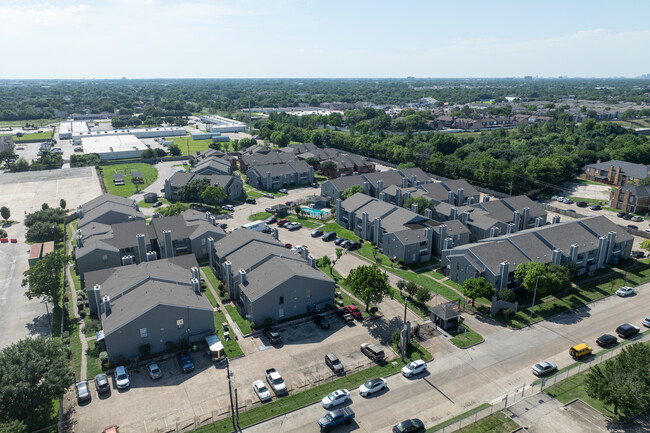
461,379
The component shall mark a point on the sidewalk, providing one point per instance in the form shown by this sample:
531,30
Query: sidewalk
231,323
80,322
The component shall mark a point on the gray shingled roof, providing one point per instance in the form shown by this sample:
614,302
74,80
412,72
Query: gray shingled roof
390,177
417,171
629,169
344,182
237,239
468,190
214,163
636,191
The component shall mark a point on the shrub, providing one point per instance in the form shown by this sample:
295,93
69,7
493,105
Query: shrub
373,310
145,350
66,334
396,336
103,358
221,287
226,297
507,312
94,325
507,295
82,313
80,305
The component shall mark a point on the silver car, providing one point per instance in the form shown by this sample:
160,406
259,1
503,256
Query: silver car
543,368
82,390
154,371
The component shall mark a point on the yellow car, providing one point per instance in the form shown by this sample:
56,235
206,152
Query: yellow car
580,350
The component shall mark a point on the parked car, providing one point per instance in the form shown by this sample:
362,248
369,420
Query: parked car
354,311
271,220
101,383
621,214
580,350
261,390
595,207
282,222
627,330
287,245
293,226
250,200
344,415
284,191
353,246
122,377
637,219
571,210
298,248
111,429
273,335
625,291
329,236
606,340
223,225
20,148
82,391
228,207
344,314
409,426
338,241
638,254
544,367
581,204
157,204
269,210
321,322
627,217
372,386
276,381
154,371
185,362
633,227
646,322
335,398
316,233
372,351
414,367
314,185
334,363
268,195
345,243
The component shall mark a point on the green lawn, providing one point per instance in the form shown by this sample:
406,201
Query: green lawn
586,182
340,231
464,339
231,346
495,423
195,145
244,325
149,174
260,216
212,278
21,123
304,398
164,201
75,342
46,135
345,297
413,351
93,366
572,388
208,294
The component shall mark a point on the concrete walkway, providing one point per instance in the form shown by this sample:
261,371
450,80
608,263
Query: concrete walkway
80,322
231,323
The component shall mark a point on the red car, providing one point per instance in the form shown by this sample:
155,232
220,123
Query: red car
354,311
283,222
288,245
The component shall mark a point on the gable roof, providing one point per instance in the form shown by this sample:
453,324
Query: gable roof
282,168
213,163
629,169
636,190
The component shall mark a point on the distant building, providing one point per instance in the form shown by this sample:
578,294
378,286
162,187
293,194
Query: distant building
276,176
631,198
223,124
114,146
6,143
616,172
232,184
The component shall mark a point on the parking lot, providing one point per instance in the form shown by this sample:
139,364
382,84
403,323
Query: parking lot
177,397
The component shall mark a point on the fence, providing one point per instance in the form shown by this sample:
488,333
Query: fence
527,390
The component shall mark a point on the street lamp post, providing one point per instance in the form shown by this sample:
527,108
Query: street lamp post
47,310
532,307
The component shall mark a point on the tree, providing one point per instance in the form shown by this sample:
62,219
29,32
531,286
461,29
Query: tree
536,274
160,153
623,382
62,203
369,283
13,426
339,254
44,231
193,189
148,154
174,149
411,288
5,213
351,191
477,288
297,209
507,295
172,209
33,373
423,295
401,285
43,280
45,206
326,263
313,161
644,245
214,194
422,203
327,167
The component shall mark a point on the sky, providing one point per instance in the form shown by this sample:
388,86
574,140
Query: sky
83,39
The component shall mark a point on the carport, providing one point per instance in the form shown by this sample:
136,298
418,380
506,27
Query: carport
445,315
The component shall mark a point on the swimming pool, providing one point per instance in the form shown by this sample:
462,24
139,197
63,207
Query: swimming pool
312,211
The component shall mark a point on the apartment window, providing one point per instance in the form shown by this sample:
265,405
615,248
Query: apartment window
203,241
143,332
308,293
179,323
281,300
104,258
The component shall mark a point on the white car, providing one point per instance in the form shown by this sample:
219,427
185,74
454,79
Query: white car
625,291
284,191
372,386
298,248
228,207
543,368
646,322
122,377
20,148
261,390
335,398
414,367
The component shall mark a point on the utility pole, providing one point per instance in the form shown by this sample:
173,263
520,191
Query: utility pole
512,178
403,339
232,408
250,131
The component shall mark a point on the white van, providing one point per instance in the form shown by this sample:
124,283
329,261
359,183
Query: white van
258,226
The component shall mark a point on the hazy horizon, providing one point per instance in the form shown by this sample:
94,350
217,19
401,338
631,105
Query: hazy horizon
287,39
